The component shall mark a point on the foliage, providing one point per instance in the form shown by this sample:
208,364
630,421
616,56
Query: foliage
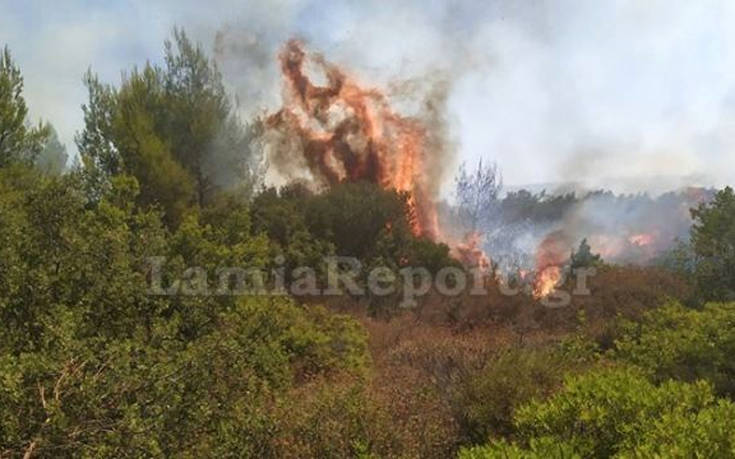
618,412
679,259
171,127
538,448
94,364
487,399
19,143
359,220
53,157
282,217
333,420
685,344
583,257
713,242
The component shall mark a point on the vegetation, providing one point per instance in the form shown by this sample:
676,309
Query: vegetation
674,342
713,244
19,142
173,128
618,412
120,337
583,257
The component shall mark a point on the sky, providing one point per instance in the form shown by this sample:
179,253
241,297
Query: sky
627,94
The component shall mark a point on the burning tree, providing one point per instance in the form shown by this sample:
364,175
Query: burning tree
551,256
477,201
344,132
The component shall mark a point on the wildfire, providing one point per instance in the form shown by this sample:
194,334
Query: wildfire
347,132
607,245
546,281
550,256
470,252
642,240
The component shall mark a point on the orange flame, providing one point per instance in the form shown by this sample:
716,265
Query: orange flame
350,133
642,240
470,252
546,281
550,256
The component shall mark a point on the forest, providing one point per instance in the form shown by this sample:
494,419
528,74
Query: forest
169,188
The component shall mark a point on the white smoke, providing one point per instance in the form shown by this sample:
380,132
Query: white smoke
621,92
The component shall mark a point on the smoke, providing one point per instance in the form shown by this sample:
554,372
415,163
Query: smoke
626,95
619,93
535,232
343,131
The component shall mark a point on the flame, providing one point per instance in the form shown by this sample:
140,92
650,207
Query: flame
608,246
546,281
642,239
550,256
348,132
470,252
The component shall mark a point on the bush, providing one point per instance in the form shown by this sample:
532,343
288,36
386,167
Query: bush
93,363
332,419
685,344
210,395
618,412
538,448
486,400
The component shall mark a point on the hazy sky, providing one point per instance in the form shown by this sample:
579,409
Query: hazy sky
561,90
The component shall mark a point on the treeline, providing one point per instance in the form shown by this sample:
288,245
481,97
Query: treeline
514,222
93,364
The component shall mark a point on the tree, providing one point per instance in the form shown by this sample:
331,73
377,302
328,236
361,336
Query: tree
356,217
583,257
207,136
173,127
713,243
100,158
477,194
52,158
679,258
18,141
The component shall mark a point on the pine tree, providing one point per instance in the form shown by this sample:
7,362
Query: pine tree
18,141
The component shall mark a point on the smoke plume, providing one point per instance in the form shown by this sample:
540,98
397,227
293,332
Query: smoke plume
343,131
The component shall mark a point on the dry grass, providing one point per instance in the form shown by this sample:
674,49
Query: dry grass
437,368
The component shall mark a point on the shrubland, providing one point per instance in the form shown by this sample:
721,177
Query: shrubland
95,363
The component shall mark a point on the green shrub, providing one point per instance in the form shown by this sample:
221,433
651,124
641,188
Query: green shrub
685,344
618,412
486,400
539,448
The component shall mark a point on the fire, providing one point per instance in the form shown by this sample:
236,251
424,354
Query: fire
550,256
470,252
348,132
642,240
546,281
608,246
